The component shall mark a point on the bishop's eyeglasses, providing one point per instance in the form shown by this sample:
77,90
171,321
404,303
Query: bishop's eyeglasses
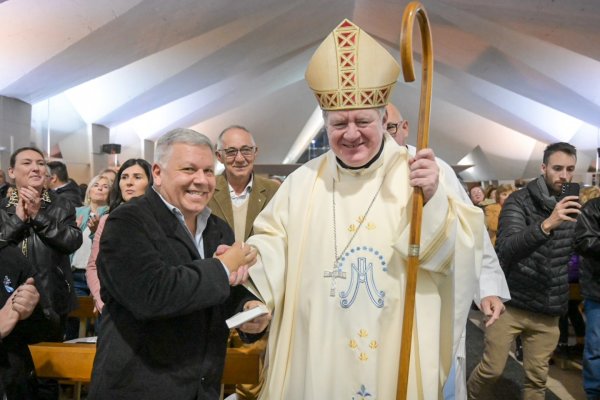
231,152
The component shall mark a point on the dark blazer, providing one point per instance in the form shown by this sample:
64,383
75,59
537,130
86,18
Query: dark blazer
163,330
4,190
263,190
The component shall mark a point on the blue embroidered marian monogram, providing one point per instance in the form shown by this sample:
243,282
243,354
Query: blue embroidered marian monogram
361,272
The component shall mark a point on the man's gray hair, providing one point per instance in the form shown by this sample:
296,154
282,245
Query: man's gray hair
179,135
230,127
380,110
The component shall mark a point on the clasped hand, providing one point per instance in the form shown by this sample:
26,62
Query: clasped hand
25,298
424,173
92,222
237,259
29,203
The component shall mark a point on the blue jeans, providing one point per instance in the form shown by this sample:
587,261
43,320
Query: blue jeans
591,351
80,283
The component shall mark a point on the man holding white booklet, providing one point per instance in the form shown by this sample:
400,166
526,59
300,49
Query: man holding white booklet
170,285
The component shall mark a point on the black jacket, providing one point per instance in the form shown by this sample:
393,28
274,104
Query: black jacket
163,329
535,265
4,190
49,239
587,244
16,365
71,192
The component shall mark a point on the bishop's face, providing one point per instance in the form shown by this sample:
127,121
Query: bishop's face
355,136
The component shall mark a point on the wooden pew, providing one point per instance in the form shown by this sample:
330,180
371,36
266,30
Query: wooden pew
85,313
74,362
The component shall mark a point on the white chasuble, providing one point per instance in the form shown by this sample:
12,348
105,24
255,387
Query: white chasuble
332,268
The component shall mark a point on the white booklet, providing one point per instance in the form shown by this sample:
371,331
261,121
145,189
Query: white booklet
245,316
90,339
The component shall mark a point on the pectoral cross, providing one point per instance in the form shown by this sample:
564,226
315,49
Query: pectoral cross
333,275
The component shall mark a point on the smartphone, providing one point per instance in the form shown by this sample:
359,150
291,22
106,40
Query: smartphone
568,189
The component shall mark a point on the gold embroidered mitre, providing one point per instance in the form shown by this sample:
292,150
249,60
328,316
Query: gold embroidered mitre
350,70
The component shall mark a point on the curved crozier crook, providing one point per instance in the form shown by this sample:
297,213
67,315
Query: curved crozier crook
416,10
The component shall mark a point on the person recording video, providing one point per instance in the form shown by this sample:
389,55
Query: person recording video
535,235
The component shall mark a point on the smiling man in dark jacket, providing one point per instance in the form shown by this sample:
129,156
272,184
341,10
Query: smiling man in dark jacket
534,244
166,292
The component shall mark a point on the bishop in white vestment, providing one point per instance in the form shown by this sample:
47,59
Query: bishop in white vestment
333,245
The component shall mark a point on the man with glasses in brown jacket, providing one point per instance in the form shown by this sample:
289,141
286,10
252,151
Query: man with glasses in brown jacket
240,195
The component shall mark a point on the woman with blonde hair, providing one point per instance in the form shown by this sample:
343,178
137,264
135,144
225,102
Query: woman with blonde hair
88,216
588,193
492,211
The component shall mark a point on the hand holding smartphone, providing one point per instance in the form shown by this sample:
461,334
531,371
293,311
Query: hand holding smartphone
568,189
564,210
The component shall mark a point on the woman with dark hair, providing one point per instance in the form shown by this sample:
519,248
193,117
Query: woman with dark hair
132,180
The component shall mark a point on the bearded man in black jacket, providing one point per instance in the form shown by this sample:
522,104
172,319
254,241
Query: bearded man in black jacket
534,244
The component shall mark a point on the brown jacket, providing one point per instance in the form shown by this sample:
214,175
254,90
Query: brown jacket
263,190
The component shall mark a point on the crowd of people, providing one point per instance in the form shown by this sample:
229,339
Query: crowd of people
169,251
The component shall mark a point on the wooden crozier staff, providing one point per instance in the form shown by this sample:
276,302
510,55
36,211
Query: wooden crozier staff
414,10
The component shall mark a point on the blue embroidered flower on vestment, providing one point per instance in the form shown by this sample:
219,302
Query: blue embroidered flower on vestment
362,393
7,287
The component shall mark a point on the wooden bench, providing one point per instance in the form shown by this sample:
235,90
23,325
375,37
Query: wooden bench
74,362
85,313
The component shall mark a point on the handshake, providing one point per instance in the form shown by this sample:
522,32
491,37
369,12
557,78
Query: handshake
237,258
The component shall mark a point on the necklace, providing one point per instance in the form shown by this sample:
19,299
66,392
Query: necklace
336,271
14,200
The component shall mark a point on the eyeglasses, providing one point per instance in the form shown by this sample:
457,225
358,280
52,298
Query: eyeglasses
246,151
392,127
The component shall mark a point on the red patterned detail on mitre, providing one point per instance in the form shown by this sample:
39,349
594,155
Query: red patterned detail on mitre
347,60
346,39
348,98
348,79
368,96
346,24
327,99
353,99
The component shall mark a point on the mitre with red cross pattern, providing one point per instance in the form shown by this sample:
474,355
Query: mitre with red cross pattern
350,70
